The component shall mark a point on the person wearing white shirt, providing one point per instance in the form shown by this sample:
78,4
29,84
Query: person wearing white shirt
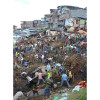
36,56
35,45
22,61
36,74
42,58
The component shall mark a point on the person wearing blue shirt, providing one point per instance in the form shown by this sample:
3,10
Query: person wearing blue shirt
78,48
48,67
44,48
60,70
25,64
62,36
64,79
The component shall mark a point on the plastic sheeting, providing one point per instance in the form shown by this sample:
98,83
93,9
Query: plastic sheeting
68,23
64,94
64,98
57,64
56,98
71,29
77,88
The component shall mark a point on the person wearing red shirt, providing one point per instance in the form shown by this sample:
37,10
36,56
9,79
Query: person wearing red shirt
84,45
66,41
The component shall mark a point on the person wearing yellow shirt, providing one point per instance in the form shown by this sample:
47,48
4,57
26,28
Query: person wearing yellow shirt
16,55
70,77
49,74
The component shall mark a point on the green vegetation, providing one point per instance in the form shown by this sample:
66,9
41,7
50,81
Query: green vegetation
81,95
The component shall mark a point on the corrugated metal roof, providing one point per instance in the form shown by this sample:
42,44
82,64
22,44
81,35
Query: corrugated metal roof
80,13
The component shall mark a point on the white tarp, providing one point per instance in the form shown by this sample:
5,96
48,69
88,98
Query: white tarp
68,23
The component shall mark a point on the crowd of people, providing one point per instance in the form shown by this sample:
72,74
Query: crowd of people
43,52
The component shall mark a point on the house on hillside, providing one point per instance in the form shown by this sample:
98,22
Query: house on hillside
27,24
63,16
47,19
79,17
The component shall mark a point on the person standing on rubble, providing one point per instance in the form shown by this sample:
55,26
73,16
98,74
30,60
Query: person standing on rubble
56,39
23,75
44,48
78,48
70,77
40,74
66,41
48,83
67,49
48,67
51,48
62,36
16,47
22,61
26,64
84,45
30,81
60,70
63,49
64,79
42,58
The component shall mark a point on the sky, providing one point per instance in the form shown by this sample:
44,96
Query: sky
29,10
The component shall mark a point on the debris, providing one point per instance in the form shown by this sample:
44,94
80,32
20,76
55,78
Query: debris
64,98
77,88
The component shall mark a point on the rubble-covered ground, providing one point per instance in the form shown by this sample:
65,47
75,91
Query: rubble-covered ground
74,62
